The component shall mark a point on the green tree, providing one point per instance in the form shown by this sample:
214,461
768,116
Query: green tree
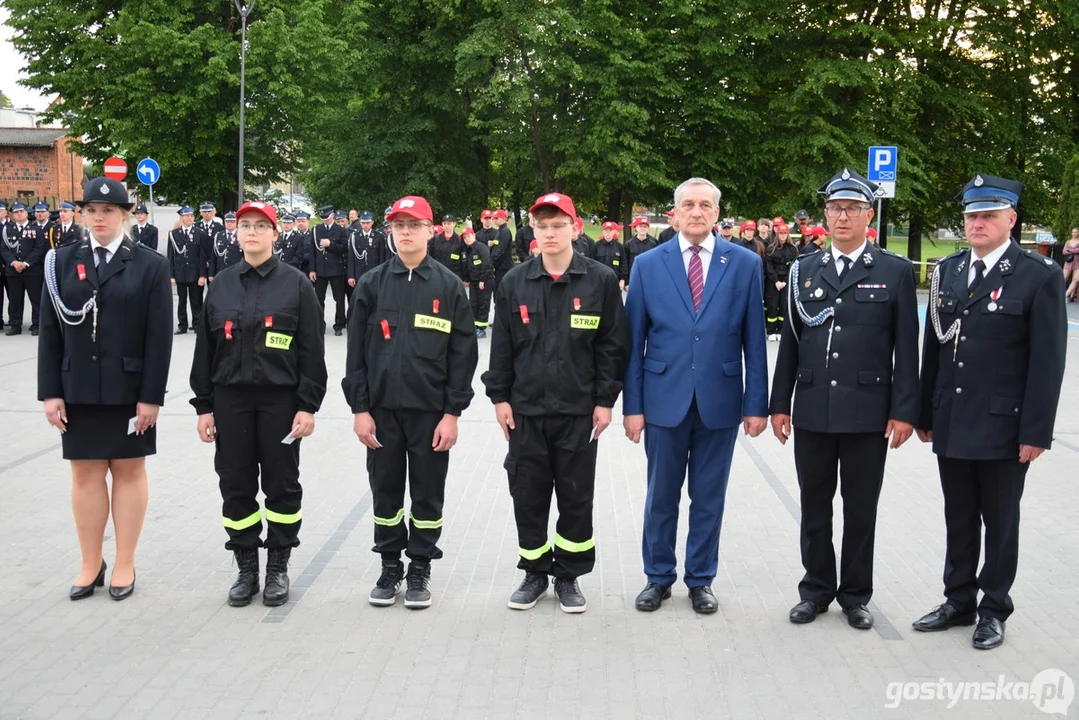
157,79
1068,211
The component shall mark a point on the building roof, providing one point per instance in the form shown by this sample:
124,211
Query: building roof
30,137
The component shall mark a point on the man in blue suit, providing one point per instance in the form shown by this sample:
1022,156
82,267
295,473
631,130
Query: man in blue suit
694,312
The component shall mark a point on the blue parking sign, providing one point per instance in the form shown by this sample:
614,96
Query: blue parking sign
882,163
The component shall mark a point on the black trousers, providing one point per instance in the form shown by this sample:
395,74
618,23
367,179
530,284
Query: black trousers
977,492
775,308
481,302
251,422
348,300
499,274
859,459
3,288
28,282
184,292
406,437
552,454
338,284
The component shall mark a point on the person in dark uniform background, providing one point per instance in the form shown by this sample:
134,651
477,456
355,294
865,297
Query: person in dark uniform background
5,225
814,239
289,243
367,249
523,241
65,231
641,242
448,249
103,365
326,266
226,247
501,245
849,354
582,244
486,233
608,251
557,363
412,352
779,256
481,274
187,267
259,377
996,334
304,250
671,231
23,251
142,232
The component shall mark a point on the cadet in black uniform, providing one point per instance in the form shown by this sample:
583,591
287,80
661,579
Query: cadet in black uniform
523,242
66,231
187,265
304,249
608,251
448,249
481,275
411,356
328,245
486,233
992,366
288,245
367,249
103,364
5,226
852,310
142,232
259,377
671,231
23,252
557,362
501,245
815,239
582,244
641,242
210,225
778,257
226,247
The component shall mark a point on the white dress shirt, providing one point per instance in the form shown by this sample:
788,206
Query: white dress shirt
990,260
110,249
853,256
708,247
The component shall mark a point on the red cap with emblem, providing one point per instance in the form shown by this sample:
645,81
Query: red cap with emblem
610,225
670,213
781,227
499,214
556,200
486,215
467,231
640,221
871,232
438,229
265,209
412,206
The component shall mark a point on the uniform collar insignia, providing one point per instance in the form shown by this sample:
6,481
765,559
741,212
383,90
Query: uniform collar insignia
1005,264
962,264
826,259
867,259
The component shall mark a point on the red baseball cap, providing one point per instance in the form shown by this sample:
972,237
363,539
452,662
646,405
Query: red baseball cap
610,225
438,229
533,245
819,231
499,214
778,220
413,206
781,227
670,213
467,231
257,206
555,200
748,225
871,232
640,221
486,215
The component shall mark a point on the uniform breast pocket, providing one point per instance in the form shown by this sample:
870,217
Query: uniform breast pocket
225,331
431,336
524,324
871,305
947,304
1006,318
812,296
382,330
279,332
585,323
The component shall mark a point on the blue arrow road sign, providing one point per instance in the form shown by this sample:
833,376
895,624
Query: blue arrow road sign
148,171
882,163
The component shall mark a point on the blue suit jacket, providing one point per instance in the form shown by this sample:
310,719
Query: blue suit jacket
677,353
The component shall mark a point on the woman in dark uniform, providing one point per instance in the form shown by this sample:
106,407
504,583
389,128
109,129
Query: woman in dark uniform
259,377
103,363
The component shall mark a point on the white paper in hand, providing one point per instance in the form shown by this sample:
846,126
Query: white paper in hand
131,424
593,435
376,441
290,438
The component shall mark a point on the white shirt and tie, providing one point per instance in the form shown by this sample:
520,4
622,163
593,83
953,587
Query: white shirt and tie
708,248
110,250
990,260
845,261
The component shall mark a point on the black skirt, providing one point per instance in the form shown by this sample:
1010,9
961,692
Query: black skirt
99,432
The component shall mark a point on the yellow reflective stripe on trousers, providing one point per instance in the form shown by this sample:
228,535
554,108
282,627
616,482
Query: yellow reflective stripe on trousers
391,521
535,554
253,519
282,519
425,524
570,546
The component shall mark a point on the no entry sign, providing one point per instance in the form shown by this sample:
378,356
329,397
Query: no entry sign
115,168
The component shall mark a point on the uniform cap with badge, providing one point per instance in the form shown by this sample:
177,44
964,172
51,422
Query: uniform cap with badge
206,206
185,210
848,185
561,201
499,214
367,216
17,207
325,211
141,208
230,215
67,205
41,207
985,193
106,191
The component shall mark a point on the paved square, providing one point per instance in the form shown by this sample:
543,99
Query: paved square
177,650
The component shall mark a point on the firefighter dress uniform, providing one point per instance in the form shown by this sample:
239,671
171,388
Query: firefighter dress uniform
993,361
412,352
259,359
559,351
23,242
188,266
226,249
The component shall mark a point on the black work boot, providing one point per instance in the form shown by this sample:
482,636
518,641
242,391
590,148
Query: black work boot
418,594
247,582
276,592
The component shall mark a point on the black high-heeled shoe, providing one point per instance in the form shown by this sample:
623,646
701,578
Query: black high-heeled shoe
123,593
78,592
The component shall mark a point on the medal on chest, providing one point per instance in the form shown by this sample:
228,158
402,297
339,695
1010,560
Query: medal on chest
993,297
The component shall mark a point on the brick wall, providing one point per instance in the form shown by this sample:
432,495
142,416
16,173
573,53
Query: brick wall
34,174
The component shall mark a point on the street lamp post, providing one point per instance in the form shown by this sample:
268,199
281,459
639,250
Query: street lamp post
244,10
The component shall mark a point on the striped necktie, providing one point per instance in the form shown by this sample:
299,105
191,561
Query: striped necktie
696,276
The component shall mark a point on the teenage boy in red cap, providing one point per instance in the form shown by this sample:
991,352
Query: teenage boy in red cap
582,244
412,353
672,228
639,243
501,244
480,274
557,361
610,252
486,233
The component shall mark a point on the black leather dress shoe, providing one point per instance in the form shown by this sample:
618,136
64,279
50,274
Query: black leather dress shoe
181,331
942,617
859,617
33,331
652,597
122,593
13,331
989,633
78,592
337,332
806,612
704,601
